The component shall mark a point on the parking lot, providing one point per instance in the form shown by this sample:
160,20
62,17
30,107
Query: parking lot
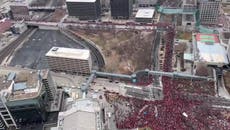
32,53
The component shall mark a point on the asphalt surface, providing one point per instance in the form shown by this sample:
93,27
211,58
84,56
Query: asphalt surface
32,53
9,49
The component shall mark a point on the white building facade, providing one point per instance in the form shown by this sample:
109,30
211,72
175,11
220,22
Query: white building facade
69,60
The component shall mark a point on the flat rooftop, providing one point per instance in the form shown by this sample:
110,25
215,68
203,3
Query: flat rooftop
82,116
81,1
145,13
20,83
210,50
70,53
213,38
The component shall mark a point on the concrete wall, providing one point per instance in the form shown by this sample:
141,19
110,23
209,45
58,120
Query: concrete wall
48,27
228,50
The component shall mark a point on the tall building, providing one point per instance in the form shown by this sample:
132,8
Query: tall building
209,11
121,9
69,60
84,9
146,3
188,16
20,9
23,97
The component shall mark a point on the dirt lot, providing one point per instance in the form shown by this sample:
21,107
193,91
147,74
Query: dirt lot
184,35
125,51
166,18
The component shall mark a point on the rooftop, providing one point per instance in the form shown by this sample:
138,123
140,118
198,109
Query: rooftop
145,13
81,1
210,50
20,84
70,53
82,116
213,38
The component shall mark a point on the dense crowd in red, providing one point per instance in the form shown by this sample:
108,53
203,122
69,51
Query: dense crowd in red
174,111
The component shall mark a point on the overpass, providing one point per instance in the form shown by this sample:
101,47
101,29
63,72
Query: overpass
35,23
167,10
44,8
103,25
85,86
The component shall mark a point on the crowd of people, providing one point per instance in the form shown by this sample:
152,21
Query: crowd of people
184,105
144,80
195,86
178,113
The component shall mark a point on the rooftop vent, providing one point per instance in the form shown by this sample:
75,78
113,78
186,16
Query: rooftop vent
55,49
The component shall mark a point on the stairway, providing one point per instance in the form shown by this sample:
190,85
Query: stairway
48,89
2,125
6,115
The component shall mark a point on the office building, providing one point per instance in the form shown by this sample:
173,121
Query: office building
189,16
20,10
24,98
121,9
209,11
69,60
84,9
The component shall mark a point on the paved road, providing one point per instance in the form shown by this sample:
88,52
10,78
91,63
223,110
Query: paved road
92,25
155,59
9,50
